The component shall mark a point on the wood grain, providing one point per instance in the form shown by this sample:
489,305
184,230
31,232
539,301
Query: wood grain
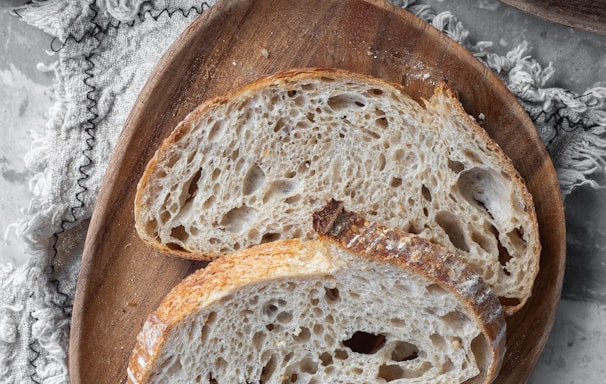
589,15
122,280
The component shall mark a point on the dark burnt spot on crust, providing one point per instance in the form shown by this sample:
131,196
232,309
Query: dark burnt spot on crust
324,219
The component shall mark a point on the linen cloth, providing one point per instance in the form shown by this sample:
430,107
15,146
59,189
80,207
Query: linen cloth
105,51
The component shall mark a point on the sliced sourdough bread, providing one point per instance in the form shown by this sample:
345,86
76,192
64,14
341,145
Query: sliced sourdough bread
361,304
251,166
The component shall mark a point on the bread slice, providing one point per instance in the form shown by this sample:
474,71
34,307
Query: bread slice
251,167
363,304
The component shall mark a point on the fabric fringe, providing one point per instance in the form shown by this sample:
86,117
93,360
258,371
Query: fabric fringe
122,10
46,326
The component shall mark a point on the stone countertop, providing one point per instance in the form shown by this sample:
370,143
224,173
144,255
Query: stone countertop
576,350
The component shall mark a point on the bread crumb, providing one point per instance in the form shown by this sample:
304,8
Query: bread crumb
426,76
482,116
265,53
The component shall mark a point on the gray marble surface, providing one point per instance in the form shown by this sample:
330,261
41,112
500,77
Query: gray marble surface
576,350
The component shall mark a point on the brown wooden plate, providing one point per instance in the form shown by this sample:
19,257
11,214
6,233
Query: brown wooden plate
122,280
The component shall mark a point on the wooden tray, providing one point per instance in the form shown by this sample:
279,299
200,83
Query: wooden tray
589,15
122,280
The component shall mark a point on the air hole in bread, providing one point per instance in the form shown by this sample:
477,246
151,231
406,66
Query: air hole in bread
279,189
210,320
235,155
438,341
341,354
269,237
365,343
279,126
179,233
268,369
258,339
509,301
483,189
271,326
404,351
451,225
302,334
254,179
236,219
485,243
481,352
345,101
331,295
370,133
325,359
175,247
216,131
382,163
382,123
425,193
455,166
447,366
164,216
390,372
171,365
318,329
397,322
472,156
191,186
375,91
284,317
270,309
308,365
435,290
456,319
292,200
414,228
516,237
504,255
395,182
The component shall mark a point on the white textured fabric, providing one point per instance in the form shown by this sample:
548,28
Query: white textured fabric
106,50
